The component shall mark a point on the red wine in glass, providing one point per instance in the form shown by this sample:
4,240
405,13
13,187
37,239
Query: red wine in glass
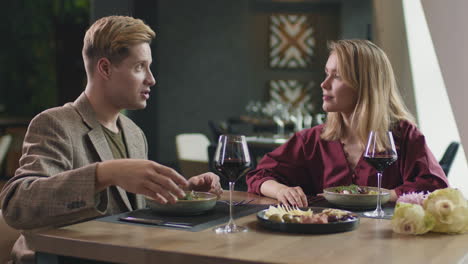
232,160
232,169
380,163
380,153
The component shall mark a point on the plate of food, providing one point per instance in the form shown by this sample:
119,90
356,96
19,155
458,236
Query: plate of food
192,204
355,197
311,220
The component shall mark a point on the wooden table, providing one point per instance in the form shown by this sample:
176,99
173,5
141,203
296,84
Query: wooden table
372,242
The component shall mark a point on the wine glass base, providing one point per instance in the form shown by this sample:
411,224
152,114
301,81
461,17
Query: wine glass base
230,228
375,214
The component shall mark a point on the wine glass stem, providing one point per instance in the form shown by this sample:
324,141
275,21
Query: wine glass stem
231,189
379,184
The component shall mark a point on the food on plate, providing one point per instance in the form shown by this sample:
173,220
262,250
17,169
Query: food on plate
286,214
190,196
287,218
276,218
284,209
354,189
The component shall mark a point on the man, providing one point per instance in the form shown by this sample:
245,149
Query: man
85,159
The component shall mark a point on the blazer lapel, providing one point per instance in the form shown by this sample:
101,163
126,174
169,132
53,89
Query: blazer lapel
102,148
96,135
132,137
100,144
125,199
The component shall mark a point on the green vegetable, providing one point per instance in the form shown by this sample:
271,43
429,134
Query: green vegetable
296,220
276,218
353,188
190,196
288,218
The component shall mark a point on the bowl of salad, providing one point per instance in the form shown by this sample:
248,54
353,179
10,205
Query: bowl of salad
192,204
355,197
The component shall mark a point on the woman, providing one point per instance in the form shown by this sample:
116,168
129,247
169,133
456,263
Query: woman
359,95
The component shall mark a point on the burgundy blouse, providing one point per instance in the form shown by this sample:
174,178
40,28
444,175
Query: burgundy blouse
312,163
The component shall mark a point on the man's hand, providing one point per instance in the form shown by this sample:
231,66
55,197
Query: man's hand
293,196
146,177
206,182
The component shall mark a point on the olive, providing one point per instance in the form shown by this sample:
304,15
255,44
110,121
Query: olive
296,220
276,218
288,218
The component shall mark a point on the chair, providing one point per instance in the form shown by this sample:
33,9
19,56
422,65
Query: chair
449,156
217,129
8,237
192,153
5,142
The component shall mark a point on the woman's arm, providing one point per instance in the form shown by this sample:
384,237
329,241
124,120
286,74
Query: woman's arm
285,165
286,173
418,166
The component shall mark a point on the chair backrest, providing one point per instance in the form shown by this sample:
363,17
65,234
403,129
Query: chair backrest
8,237
192,153
448,157
192,146
5,142
217,129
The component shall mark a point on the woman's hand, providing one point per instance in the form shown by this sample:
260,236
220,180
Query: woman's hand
283,193
293,196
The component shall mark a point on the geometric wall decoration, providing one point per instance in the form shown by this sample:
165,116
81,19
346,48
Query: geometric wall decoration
292,41
291,92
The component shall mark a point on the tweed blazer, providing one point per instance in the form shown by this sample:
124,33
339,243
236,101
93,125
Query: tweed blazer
55,183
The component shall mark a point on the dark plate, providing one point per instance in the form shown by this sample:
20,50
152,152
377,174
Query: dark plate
335,227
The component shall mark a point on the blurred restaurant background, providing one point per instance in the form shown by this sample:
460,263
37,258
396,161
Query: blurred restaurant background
217,71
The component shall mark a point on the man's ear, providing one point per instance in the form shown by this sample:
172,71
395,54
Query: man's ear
103,67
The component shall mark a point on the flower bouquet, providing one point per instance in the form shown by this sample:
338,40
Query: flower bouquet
444,210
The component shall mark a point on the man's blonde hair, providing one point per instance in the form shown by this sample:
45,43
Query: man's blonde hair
366,68
111,37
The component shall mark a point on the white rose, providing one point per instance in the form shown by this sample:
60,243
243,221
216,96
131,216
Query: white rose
411,219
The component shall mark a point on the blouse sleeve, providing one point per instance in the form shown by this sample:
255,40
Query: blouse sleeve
419,168
284,165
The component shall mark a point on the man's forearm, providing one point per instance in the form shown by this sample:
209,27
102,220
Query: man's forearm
102,176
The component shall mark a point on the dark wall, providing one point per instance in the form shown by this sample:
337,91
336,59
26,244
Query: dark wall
208,61
204,71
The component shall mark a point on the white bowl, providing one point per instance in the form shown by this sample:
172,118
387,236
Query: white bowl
356,201
205,201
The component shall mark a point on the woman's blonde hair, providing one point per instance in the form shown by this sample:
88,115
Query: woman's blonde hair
111,37
366,68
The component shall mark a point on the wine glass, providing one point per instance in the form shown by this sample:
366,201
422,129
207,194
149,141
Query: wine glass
380,153
232,160
281,116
